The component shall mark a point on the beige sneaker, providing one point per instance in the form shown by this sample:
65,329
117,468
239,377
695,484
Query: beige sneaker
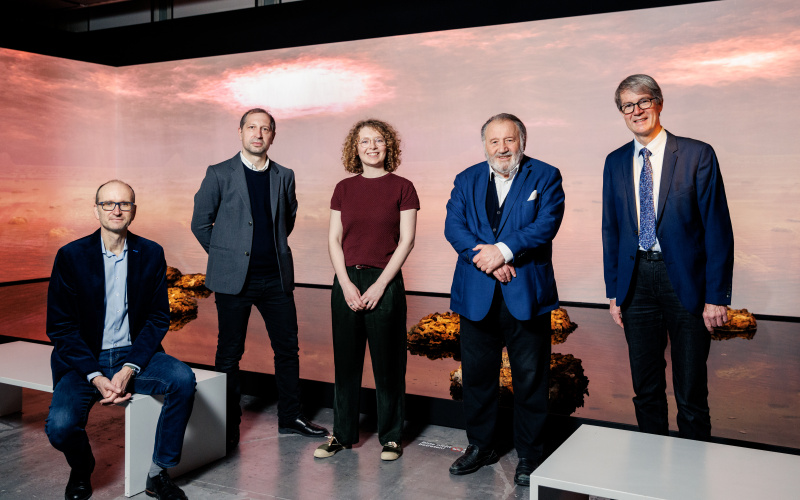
391,451
330,448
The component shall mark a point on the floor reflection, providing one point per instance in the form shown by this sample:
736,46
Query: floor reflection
754,385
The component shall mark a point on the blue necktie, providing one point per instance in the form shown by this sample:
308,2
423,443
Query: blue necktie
647,212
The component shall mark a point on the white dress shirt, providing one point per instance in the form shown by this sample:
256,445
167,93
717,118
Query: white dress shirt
503,186
251,166
656,148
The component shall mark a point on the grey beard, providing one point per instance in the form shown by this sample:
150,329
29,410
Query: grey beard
515,159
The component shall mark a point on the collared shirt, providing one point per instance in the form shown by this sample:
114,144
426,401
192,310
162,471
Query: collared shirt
656,148
116,328
249,165
503,186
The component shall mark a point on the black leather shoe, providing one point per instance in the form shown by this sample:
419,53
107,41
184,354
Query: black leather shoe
162,488
303,426
472,460
231,440
524,469
78,487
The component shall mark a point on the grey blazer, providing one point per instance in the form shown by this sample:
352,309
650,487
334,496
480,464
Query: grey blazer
223,223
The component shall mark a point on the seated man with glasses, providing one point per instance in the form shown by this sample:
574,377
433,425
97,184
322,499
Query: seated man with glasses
668,258
107,312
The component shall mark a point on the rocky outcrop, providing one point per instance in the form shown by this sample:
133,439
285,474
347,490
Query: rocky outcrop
183,291
567,386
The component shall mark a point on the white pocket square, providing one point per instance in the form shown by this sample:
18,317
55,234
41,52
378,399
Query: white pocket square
533,195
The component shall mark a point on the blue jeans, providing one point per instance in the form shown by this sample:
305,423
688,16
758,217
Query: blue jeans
654,314
74,396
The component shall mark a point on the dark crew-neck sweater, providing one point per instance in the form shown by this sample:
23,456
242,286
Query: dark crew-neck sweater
263,257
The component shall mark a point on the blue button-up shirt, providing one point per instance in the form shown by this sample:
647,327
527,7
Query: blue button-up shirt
116,329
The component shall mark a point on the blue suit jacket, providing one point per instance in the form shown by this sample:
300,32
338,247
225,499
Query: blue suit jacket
693,224
76,304
527,227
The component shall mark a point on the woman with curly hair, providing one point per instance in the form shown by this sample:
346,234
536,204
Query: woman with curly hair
371,232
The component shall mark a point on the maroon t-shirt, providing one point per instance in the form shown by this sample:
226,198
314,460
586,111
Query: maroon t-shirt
371,216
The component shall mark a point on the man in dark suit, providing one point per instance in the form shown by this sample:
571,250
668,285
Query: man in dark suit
107,311
244,212
501,220
668,258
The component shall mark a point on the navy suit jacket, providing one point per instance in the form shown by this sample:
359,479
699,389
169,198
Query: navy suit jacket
527,227
76,304
693,224
222,222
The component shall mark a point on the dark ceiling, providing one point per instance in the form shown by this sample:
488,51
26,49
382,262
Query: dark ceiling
43,26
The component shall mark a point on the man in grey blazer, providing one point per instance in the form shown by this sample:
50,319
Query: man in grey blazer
243,215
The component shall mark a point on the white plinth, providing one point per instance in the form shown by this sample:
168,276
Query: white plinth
203,443
24,364
626,465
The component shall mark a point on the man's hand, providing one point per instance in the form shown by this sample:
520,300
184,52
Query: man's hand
107,389
489,258
114,391
714,315
504,273
616,313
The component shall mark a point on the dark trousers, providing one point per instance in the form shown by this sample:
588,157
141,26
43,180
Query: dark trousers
528,345
74,396
385,329
653,314
280,316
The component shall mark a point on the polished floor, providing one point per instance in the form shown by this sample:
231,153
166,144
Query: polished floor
267,465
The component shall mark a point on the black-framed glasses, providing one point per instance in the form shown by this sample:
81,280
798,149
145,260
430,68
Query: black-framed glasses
643,104
109,206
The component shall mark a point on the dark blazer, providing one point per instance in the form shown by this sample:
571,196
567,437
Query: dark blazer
76,304
693,224
527,227
223,223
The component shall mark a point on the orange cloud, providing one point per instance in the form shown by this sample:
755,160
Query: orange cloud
735,59
298,87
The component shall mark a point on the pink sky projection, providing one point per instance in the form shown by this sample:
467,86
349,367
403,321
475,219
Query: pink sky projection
301,87
728,70
732,60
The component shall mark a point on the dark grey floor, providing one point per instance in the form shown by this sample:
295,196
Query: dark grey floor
266,464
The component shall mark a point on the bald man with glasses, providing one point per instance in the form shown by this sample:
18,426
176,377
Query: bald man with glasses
107,312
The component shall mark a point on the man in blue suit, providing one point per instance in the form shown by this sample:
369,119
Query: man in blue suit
501,220
668,258
107,312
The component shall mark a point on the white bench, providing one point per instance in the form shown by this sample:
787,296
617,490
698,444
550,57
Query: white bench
25,364
625,465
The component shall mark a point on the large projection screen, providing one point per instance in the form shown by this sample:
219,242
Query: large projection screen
728,71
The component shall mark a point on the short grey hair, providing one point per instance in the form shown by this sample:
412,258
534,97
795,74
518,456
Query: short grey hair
640,84
257,110
502,117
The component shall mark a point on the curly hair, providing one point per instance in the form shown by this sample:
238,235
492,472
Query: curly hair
350,159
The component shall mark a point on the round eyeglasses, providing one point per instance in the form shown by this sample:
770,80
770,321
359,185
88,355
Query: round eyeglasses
379,142
643,104
109,206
